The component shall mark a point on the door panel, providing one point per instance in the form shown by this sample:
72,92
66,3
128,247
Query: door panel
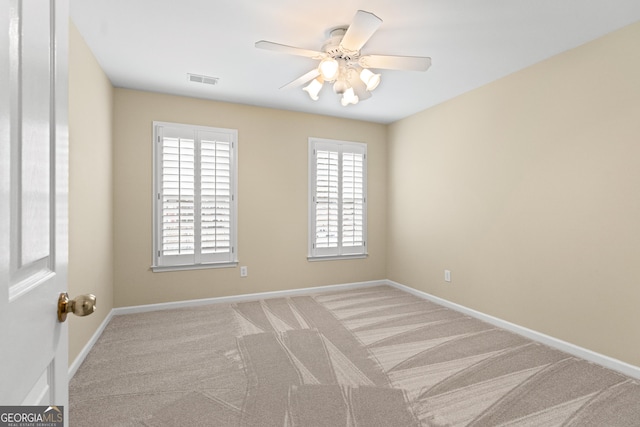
33,200
34,138
31,142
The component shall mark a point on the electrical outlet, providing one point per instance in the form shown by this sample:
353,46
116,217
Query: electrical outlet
244,271
447,275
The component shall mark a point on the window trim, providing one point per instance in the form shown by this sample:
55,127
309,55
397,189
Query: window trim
156,266
339,145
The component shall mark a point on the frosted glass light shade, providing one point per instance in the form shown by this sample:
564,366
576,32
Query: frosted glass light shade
313,89
328,69
340,86
349,97
370,79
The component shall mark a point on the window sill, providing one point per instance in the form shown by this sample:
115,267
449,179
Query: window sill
336,257
161,269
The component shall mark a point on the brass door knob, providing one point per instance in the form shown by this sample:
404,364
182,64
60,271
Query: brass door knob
82,305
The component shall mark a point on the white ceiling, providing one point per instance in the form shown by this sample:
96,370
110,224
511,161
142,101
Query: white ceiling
151,45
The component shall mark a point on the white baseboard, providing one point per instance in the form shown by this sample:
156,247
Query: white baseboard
246,297
73,368
583,353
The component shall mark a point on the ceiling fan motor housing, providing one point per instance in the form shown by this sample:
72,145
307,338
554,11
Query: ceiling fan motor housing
334,49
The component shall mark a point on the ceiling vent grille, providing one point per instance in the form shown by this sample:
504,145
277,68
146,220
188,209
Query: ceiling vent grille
207,80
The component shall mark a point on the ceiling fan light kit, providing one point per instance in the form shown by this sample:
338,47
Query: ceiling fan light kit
313,88
342,64
329,68
349,97
370,79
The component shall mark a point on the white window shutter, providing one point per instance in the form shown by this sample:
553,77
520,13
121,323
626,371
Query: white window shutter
195,206
352,199
337,204
177,196
216,196
327,199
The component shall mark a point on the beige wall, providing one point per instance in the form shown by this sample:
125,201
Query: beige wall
528,190
90,189
272,199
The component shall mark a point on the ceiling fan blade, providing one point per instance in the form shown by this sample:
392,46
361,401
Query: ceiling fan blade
360,31
302,79
276,47
388,62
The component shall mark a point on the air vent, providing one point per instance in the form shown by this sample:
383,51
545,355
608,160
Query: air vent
207,80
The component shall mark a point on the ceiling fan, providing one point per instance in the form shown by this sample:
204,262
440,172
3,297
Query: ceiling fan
342,64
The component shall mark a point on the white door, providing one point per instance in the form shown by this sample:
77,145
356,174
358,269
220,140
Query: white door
33,201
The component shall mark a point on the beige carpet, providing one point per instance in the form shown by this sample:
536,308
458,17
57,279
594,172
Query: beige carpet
369,357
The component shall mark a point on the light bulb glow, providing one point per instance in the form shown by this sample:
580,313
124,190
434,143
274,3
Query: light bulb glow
370,79
313,89
328,69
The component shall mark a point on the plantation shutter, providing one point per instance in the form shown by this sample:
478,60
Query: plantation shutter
327,199
195,201
337,189
215,195
177,234
352,199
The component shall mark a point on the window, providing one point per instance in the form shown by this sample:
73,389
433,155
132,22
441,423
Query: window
337,199
195,205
